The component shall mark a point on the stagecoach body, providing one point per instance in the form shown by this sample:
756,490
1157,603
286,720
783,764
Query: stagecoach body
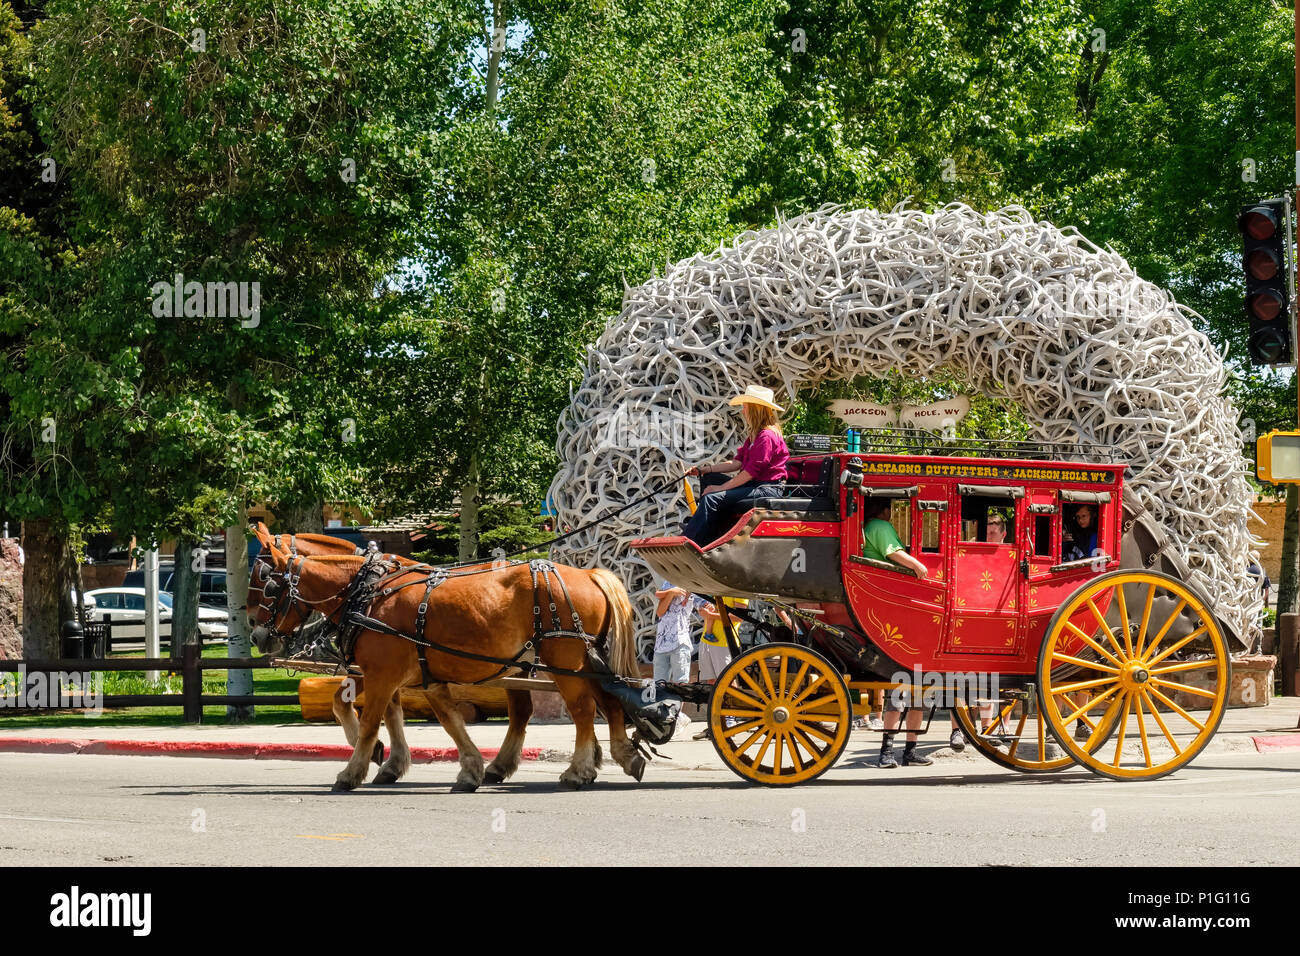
985,606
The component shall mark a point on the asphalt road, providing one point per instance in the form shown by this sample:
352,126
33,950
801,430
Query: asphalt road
1226,809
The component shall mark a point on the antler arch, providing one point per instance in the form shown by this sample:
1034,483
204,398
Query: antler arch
1088,349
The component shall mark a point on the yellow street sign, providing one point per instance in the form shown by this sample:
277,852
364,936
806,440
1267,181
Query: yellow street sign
1277,457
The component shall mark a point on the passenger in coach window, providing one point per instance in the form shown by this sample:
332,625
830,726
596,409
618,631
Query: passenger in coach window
880,541
1079,532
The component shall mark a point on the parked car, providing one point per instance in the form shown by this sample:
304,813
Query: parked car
212,584
125,605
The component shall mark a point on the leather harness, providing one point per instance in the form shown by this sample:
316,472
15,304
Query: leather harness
366,587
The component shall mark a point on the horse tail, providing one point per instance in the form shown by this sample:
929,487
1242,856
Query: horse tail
620,633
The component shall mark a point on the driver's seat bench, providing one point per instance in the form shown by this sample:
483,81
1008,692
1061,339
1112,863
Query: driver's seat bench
800,505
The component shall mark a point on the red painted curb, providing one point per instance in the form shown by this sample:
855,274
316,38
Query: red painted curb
42,745
184,748
225,749
1278,742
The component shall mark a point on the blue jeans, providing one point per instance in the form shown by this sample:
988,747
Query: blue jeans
715,507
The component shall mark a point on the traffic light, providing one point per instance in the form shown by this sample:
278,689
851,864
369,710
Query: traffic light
1277,457
1265,228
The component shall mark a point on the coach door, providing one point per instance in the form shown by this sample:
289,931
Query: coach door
987,580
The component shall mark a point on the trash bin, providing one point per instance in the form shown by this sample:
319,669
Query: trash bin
93,639
73,641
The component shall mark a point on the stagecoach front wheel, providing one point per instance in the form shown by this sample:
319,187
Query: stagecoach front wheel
1133,663
780,715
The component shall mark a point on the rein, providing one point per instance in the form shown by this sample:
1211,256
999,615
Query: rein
654,492
356,606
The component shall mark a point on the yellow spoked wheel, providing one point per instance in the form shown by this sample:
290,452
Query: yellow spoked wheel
1010,742
780,715
1142,648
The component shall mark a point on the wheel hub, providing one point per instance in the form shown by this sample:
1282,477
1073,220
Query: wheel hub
1133,675
780,715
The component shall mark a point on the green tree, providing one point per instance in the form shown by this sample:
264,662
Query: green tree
593,142
289,146
935,100
34,250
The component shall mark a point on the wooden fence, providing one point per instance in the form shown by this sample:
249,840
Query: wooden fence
190,666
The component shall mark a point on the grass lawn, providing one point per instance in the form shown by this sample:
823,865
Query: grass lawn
271,681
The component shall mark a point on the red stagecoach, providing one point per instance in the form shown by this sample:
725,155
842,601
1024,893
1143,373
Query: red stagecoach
1102,655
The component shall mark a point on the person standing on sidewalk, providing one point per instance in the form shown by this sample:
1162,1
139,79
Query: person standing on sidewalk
673,634
715,655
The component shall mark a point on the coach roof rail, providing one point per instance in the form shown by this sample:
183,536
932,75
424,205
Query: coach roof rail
892,441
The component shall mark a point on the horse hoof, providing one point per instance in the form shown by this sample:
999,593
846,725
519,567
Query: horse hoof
461,787
570,785
493,776
637,770
377,755
385,776
342,786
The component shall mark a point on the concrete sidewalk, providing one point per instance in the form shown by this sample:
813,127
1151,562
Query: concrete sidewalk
1257,729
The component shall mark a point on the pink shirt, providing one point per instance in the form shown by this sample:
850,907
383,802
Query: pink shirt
764,456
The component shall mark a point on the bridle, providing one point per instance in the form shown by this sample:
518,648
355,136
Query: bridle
280,594
263,572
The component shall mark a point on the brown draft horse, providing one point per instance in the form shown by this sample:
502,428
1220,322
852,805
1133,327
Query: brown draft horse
489,612
519,703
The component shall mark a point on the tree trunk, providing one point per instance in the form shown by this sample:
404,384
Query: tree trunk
494,55
1290,574
238,683
301,517
42,579
185,597
73,593
469,514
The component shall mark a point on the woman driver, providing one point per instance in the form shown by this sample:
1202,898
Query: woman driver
758,470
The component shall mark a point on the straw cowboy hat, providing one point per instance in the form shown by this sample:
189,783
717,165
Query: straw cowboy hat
757,395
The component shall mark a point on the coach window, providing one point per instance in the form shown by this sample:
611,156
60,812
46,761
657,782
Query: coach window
900,516
1079,528
1042,535
988,520
930,517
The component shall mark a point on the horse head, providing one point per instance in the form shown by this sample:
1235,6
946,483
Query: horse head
273,586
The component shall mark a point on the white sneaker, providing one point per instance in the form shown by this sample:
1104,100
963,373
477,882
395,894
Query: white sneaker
874,722
683,722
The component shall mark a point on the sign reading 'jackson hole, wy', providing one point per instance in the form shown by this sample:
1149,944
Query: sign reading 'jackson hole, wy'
1014,472
935,416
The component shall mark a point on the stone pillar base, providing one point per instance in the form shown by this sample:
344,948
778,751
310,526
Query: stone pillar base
549,706
1252,681
1252,684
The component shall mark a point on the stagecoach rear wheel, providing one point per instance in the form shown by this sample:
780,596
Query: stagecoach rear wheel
1146,650
1010,742
1003,739
780,715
